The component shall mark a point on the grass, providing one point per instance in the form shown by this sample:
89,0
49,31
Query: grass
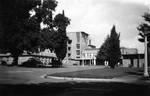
105,73
75,89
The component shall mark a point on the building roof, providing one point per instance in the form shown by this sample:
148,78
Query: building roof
133,56
127,48
92,49
78,32
92,46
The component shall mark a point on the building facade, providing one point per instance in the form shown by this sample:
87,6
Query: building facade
81,52
125,50
45,57
89,56
131,58
79,42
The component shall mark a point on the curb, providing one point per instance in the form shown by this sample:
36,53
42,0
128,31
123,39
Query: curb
88,79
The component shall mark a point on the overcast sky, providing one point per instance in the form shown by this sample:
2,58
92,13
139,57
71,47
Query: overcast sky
96,17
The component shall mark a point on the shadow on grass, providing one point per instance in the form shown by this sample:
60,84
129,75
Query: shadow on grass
135,73
75,89
138,72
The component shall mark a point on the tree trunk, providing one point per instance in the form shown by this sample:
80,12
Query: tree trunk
15,61
60,63
112,66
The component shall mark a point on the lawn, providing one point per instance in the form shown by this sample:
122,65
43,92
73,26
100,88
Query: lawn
105,73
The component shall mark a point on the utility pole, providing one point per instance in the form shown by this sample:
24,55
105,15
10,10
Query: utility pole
146,58
147,31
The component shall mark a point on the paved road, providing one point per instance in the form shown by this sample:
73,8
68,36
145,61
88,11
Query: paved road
17,75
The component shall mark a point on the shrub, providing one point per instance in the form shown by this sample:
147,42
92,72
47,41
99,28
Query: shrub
3,62
56,63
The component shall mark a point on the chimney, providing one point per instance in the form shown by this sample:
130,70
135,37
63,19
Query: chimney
89,42
63,12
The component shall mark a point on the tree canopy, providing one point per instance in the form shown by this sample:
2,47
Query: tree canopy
16,30
110,49
61,22
21,27
114,53
102,53
144,27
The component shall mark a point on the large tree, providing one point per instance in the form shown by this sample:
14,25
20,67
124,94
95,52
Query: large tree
22,31
16,27
54,34
110,49
44,15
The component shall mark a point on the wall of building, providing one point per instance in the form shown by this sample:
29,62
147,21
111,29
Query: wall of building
132,57
128,50
136,62
79,43
45,57
46,60
89,53
89,56
72,36
126,62
84,42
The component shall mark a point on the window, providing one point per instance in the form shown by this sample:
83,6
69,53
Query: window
83,54
69,48
77,57
78,52
70,41
69,54
78,36
78,46
90,55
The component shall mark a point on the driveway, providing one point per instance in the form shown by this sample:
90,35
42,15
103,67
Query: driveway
21,75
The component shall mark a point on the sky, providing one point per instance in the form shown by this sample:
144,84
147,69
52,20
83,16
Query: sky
96,17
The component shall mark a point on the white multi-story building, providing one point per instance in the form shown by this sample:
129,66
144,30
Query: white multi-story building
80,51
79,42
89,56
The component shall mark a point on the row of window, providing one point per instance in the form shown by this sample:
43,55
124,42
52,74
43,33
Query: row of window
77,51
88,55
77,46
69,48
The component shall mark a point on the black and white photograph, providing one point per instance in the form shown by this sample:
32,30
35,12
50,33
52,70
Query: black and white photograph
74,47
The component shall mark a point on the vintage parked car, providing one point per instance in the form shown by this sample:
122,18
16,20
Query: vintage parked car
32,62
